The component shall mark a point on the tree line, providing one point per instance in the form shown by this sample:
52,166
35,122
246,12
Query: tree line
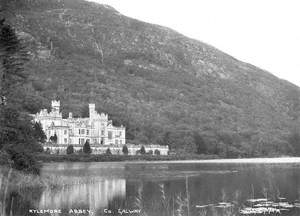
20,137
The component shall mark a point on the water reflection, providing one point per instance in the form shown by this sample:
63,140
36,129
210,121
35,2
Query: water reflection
159,189
95,194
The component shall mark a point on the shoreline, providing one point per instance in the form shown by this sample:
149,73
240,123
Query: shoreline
48,158
201,159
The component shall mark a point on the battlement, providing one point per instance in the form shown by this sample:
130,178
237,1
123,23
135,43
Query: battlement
55,103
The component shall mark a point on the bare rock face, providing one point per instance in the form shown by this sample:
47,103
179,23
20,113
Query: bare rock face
161,85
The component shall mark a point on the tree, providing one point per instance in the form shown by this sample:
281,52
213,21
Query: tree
200,143
17,133
48,151
70,149
39,133
25,162
87,148
54,138
143,150
294,141
125,150
167,139
108,152
157,152
13,57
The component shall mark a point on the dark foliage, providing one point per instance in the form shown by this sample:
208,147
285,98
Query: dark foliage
5,158
39,134
53,139
19,137
108,151
200,144
70,149
294,140
143,150
13,56
23,160
157,152
125,150
87,148
48,151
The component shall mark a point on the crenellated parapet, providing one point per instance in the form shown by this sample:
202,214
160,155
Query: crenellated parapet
96,129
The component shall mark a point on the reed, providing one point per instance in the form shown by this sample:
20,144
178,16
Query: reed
138,202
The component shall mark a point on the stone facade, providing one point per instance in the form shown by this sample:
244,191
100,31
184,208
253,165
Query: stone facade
115,149
96,129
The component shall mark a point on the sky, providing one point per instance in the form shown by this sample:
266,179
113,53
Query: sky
265,33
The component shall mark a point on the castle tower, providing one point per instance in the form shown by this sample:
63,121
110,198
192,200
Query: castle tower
55,106
92,111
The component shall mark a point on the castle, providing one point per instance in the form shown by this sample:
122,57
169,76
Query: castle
96,129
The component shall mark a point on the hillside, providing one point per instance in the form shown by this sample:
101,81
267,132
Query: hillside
164,87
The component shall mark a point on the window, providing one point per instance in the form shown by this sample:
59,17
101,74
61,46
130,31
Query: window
102,141
87,132
78,131
102,132
120,133
82,131
109,135
81,141
65,132
117,142
65,140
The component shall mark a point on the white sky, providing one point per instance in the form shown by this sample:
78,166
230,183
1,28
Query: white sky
265,33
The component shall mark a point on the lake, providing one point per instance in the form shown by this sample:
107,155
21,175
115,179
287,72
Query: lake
219,188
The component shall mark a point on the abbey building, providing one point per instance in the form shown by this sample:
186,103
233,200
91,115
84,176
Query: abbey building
97,129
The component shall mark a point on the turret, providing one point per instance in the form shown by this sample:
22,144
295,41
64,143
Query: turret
55,106
91,110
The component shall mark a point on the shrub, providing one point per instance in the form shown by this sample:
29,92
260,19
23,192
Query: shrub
5,158
70,149
108,152
150,152
157,152
87,148
125,150
53,138
143,150
48,151
39,133
24,161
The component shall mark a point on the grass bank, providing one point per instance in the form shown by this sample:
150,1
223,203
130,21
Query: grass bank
104,158
21,180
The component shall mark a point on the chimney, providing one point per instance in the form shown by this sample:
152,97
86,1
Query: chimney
91,110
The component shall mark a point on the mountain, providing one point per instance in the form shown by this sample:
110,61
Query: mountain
163,86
